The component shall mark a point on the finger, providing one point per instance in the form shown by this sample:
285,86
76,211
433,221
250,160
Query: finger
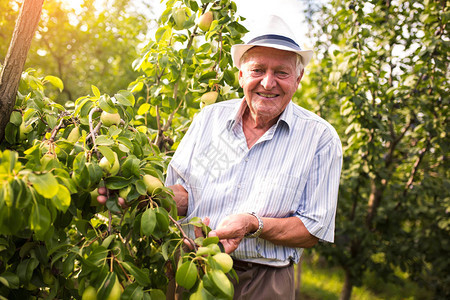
223,233
198,232
229,245
188,244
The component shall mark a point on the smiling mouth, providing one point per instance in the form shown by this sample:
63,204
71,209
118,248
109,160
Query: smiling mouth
267,95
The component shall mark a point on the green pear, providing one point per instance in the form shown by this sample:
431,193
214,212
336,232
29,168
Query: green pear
152,183
116,291
179,15
24,130
108,168
209,98
109,119
90,293
224,261
73,136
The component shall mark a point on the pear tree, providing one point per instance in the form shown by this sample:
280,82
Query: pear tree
83,211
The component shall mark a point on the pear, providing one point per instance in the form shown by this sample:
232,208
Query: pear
73,136
152,183
109,119
224,261
90,293
209,98
204,23
24,130
116,291
179,15
108,168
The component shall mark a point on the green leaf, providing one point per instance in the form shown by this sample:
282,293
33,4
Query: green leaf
40,218
10,280
16,118
51,121
69,264
46,184
104,140
137,87
187,274
11,220
160,33
156,294
130,167
62,199
105,103
96,91
107,241
140,276
140,187
25,269
97,257
148,222
55,81
222,282
10,133
210,240
133,291
117,182
108,153
143,109
125,98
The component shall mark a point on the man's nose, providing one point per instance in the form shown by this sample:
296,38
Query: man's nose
268,81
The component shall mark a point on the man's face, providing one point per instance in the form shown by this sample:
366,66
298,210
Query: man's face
269,79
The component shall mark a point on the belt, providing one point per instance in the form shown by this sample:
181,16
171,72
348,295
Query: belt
245,265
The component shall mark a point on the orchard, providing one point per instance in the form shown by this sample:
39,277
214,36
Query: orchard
84,213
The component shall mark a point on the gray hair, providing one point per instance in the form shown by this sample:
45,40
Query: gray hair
298,63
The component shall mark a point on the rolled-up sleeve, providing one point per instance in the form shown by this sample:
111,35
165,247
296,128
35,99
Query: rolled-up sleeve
317,209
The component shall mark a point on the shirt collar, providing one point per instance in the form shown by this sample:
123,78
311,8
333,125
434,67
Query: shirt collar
235,117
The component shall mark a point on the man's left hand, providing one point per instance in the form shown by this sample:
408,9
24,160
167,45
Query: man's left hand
233,229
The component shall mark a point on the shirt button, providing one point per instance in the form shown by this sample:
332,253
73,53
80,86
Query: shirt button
238,186
246,159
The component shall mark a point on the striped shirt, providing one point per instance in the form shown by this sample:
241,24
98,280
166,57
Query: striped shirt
292,170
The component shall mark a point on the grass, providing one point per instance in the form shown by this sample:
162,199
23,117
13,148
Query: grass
321,283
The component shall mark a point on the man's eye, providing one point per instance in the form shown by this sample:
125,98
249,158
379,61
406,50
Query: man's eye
257,70
282,74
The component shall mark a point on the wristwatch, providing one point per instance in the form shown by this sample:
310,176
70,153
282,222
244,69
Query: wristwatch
260,227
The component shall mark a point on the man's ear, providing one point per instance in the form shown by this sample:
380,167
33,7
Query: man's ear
240,78
299,78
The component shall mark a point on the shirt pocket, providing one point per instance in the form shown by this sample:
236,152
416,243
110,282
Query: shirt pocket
279,194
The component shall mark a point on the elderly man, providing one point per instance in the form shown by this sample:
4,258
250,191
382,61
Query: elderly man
261,171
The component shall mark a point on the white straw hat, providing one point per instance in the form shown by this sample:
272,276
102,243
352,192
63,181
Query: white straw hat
274,34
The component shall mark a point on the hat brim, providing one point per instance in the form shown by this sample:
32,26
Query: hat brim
238,50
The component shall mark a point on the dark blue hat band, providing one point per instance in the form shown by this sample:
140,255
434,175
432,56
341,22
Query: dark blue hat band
277,40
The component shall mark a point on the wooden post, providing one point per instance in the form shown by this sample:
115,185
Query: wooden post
29,16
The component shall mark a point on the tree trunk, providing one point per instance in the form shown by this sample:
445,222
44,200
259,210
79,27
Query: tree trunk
26,25
346,292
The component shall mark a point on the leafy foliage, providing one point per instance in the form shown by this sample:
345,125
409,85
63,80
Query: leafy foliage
95,44
384,67
77,216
